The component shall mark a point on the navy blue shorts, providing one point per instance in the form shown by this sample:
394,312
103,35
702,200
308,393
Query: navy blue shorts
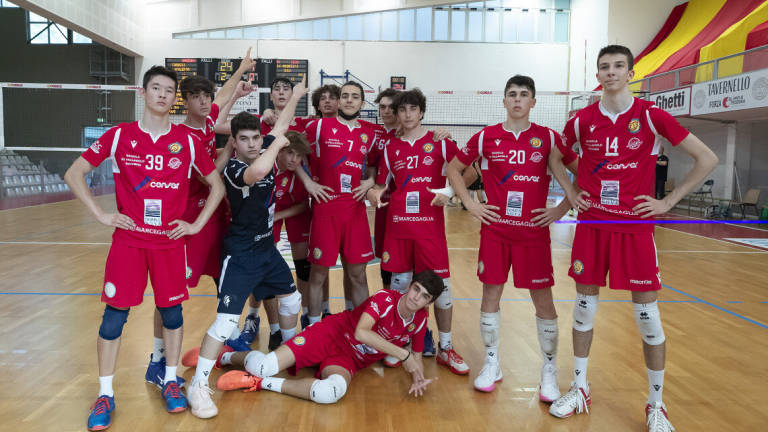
263,273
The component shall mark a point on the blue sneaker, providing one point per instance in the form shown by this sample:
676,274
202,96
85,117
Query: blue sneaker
429,344
174,398
238,344
304,321
156,373
250,328
100,417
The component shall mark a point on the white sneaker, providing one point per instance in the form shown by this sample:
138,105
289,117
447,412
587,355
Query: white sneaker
392,361
199,399
656,418
548,390
490,374
576,401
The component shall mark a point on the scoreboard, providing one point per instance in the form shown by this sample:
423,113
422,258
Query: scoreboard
263,73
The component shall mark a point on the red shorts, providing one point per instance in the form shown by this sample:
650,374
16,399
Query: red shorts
630,257
125,276
531,262
402,255
204,248
379,226
347,234
321,345
297,227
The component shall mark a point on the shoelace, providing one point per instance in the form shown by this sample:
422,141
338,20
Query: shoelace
454,357
205,388
100,406
568,399
250,326
657,421
174,390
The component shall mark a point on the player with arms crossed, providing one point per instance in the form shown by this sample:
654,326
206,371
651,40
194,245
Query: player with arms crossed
152,162
344,343
619,138
514,157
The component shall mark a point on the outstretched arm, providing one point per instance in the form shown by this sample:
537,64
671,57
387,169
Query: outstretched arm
225,93
286,116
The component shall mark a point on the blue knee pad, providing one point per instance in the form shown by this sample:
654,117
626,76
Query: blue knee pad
171,317
112,323
302,269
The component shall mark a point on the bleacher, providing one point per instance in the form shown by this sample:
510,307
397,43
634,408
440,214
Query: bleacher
20,177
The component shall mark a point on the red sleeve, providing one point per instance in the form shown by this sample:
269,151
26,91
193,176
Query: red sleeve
451,149
101,149
214,115
420,320
570,133
666,125
202,162
383,171
378,304
310,130
469,153
568,154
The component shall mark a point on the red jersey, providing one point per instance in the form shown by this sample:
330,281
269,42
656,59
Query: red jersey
383,136
152,178
414,166
197,189
339,155
618,158
514,171
289,190
298,124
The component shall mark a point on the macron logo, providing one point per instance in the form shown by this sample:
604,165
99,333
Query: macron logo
592,128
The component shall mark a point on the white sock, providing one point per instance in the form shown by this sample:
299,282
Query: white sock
348,305
580,372
274,328
204,368
159,351
253,310
656,385
288,333
235,333
304,310
105,385
326,307
272,384
314,319
547,333
226,358
445,339
170,374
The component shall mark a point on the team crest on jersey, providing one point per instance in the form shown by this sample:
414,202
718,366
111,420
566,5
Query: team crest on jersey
280,193
428,147
317,253
428,160
385,257
480,267
189,272
174,163
578,267
634,143
174,148
284,182
96,147
299,340
110,289
535,142
536,157
634,125
364,138
411,327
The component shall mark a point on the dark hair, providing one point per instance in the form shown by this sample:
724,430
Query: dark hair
196,84
431,282
331,89
390,93
413,96
521,81
280,80
160,70
356,84
298,142
244,121
617,49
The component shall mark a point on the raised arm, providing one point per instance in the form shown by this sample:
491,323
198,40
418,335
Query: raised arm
222,122
286,116
225,93
262,166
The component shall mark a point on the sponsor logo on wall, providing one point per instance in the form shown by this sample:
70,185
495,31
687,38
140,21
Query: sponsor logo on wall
744,91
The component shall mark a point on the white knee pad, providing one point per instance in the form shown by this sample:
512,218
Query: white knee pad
401,281
261,365
649,322
584,312
222,328
290,305
445,300
489,328
547,333
328,390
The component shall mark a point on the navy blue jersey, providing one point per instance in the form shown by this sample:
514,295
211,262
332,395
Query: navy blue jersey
252,208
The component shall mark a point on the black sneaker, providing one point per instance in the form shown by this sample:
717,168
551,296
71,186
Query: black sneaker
275,340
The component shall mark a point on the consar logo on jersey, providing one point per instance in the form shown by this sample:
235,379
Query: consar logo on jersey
155,184
339,162
600,165
353,164
621,166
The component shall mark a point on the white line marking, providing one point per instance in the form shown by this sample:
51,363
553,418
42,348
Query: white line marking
710,238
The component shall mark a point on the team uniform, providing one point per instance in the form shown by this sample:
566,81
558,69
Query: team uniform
514,172
340,225
152,181
204,248
252,263
297,125
331,342
289,191
617,163
415,229
383,136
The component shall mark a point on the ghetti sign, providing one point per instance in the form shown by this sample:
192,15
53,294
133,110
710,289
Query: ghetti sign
675,102
744,91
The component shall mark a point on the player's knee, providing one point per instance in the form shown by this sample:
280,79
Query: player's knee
649,323
112,323
386,277
302,269
584,312
290,304
489,328
261,365
223,327
445,300
329,390
171,316
400,281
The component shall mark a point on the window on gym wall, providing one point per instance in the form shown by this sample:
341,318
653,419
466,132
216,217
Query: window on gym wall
6,3
42,31
492,21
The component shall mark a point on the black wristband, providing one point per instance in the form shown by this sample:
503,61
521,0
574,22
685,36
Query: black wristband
407,357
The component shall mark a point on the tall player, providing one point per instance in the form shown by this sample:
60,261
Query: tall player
619,138
415,162
152,162
514,158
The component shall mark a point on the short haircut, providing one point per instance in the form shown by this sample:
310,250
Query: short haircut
431,282
390,93
196,84
355,84
521,81
160,70
283,80
244,121
331,89
298,142
617,49
411,97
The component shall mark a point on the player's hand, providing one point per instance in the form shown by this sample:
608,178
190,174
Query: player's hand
182,228
374,196
117,220
651,206
441,133
483,212
440,199
280,141
318,192
300,89
420,385
579,201
243,88
359,192
247,63
269,117
548,215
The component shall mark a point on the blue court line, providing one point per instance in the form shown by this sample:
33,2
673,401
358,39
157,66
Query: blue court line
734,301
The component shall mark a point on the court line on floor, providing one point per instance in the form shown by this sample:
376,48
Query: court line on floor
712,238
724,222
